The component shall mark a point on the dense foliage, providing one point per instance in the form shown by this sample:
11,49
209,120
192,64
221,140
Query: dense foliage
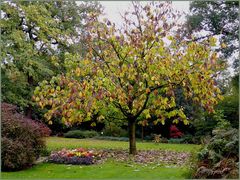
114,130
34,39
217,18
220,156
22,139
230,104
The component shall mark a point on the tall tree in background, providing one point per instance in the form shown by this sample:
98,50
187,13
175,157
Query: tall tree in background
217,18
134,71
34,39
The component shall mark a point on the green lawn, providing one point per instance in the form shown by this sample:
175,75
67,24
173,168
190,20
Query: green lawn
56,143
108,170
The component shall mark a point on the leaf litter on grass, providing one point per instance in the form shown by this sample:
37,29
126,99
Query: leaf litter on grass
145,157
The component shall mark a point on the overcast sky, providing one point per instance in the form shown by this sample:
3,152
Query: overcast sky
112,9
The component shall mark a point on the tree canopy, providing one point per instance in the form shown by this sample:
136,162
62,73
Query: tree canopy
34,38
133,70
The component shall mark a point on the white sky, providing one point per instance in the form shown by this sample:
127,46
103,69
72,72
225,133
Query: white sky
112,9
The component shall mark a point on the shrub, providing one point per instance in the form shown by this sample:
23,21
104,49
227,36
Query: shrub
80,134
175,132
111,138
157,138
114,130
22,141
164,140
220,158
190,139
149,137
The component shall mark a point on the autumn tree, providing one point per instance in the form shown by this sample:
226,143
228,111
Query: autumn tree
133,70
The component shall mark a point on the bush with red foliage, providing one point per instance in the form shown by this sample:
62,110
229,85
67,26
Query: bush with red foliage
22,139
175,132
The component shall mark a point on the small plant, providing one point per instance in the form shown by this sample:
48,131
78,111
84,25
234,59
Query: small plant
80,134
164,140
157,138
75,156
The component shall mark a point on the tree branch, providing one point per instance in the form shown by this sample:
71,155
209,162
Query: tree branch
118,105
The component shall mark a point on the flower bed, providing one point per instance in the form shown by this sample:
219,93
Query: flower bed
74,156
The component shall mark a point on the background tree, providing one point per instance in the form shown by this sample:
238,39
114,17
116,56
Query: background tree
217,18
35,37
133,70
230,104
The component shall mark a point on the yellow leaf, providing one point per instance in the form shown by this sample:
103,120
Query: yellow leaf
148,90
148,116
80,94
93,124
220,97
163,122
78,71
175,121
88,114
223,45
101,117
185,122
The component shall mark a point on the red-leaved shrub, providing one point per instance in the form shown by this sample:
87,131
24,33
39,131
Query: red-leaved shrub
22,139
175,132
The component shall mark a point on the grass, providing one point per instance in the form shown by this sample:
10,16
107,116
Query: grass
56,143
110,169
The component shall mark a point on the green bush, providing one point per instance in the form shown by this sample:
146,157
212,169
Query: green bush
149,137
80,134
111,138
22,139
221,154
163,140
114,130
190,139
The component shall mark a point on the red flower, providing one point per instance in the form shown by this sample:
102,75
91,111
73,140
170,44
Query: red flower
80,149
70,155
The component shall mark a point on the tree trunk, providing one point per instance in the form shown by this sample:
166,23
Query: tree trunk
29,111
132,137
29,108
142,134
